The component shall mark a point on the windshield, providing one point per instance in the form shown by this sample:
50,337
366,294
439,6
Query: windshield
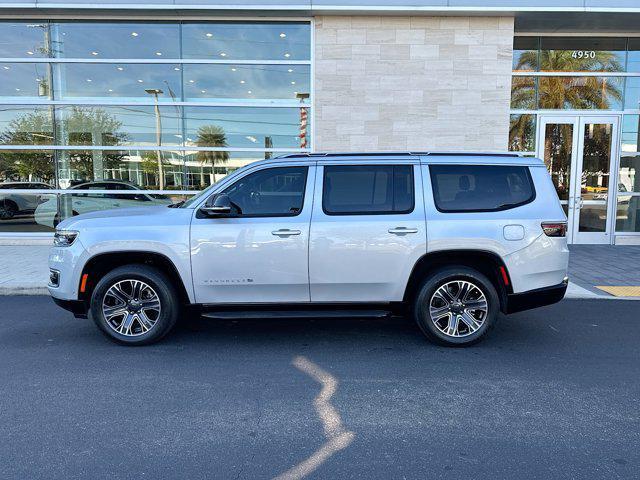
196,198
207,191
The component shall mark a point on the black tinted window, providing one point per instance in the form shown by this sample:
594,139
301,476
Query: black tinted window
270,192
367,189
480,188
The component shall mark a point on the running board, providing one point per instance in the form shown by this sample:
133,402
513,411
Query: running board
270,314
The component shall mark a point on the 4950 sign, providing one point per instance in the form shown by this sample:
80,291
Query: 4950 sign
583,54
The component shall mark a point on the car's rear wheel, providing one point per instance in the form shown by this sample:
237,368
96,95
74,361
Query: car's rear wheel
134,305
456,306
8,209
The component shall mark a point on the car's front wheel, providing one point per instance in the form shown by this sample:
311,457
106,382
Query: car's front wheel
8,209
456,306
135,305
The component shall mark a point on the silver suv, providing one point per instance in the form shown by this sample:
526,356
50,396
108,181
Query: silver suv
453,240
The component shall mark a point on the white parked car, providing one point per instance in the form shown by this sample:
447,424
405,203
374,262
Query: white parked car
47,212
12,204
452,239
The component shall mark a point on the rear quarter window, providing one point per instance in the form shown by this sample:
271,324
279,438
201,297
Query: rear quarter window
480,188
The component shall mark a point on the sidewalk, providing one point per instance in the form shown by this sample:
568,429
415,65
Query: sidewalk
594,270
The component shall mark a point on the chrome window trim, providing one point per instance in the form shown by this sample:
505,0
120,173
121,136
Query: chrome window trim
146,148
258,103
78,191
525,73
124,61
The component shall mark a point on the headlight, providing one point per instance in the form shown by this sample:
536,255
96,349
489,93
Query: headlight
64,238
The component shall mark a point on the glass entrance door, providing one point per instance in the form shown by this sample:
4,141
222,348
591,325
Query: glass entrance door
580,153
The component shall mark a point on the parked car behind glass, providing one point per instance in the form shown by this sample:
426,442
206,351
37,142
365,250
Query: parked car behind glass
47,212
12,204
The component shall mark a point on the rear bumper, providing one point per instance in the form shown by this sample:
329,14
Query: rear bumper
517,302
77,307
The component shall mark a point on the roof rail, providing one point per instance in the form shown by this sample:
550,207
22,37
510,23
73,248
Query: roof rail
395,154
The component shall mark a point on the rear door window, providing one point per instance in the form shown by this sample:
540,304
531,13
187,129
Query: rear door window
367,189
480,188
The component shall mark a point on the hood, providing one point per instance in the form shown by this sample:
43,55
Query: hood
137,216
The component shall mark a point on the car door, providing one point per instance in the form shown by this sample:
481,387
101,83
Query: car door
367,232
259,253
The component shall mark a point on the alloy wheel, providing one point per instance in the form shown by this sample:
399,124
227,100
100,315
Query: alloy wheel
7,211
458,308
131,307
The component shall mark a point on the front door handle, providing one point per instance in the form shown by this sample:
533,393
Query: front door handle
285,232
402,230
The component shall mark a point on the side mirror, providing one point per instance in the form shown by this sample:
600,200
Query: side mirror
220,206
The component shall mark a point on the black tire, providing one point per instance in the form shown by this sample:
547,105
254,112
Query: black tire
423,299
160,285
8,209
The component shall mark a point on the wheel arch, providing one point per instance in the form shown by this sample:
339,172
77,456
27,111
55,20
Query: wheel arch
101,263
488,263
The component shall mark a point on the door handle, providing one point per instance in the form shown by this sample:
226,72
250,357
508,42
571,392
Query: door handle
402,230
285,232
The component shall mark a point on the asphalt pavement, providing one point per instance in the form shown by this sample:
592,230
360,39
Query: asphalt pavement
552,393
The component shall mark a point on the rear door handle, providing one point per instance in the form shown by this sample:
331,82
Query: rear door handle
285,232
402,230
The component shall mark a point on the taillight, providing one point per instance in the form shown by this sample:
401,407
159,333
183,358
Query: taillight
554,229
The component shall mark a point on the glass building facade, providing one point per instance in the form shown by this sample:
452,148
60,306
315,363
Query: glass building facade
97,115
575,102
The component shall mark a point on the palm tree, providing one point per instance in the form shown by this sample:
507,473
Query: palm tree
557,93
211,136
522,131
568,92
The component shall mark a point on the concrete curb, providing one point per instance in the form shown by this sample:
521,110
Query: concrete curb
20,290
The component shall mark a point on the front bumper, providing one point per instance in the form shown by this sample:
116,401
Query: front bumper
67,263
518,302
77,307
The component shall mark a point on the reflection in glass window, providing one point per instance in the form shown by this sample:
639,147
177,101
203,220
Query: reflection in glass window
558,144
596,160
26,169
153,170
628,213
26,125
633,55
244,127
582,54
603,93
23,40
523,92
522,133
629,173
206,167
525,53
631,133
25,80
245,82
116,40
90,81
247,41
632,93
113,126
